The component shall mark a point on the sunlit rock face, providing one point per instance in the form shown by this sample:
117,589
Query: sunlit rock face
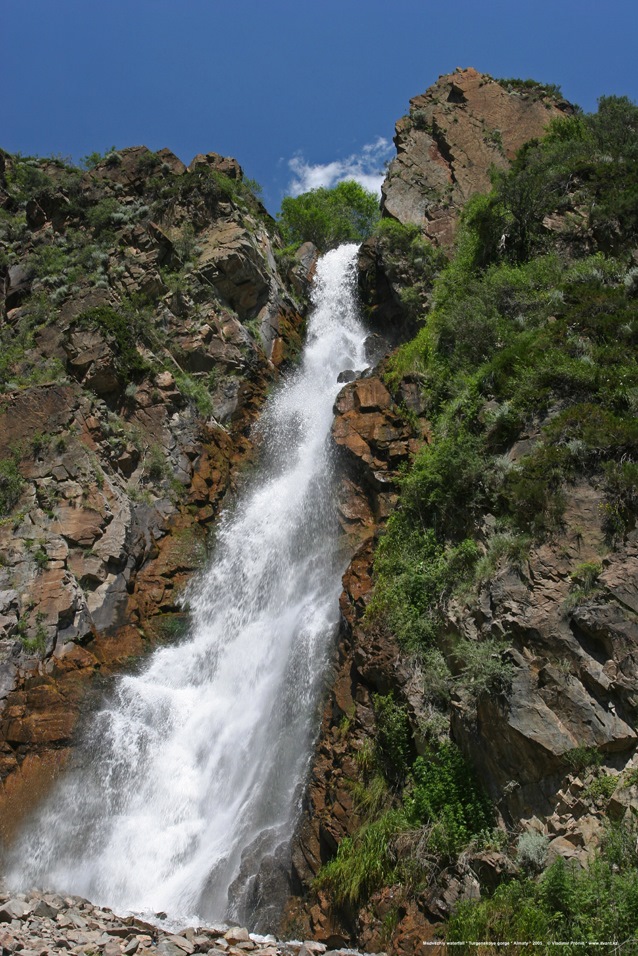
455,132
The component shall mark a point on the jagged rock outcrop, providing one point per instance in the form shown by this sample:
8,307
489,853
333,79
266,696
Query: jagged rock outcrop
574,656
373,440
455,132
143,319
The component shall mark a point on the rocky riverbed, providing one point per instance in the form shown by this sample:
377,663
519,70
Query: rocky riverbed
37,924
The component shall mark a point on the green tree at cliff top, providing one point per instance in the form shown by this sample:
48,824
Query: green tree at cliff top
345,213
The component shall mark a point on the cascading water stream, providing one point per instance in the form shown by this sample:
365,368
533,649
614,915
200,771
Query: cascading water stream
198,760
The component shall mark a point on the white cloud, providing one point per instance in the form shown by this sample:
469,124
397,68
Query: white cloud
367,168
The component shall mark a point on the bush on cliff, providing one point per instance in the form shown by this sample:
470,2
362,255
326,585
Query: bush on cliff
410,262
506,346
11,484
568,906
345,213
440,810
122,333
585,171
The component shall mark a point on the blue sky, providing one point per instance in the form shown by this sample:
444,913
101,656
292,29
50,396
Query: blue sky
317,84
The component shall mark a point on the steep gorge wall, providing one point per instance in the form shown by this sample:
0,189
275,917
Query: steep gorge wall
143,319
574,662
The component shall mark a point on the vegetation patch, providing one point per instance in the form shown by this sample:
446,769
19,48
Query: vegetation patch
122,334
527,359
567,905
328,217
11,485
516,85
433,803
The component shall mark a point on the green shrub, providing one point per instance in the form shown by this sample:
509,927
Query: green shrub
414,574
508,547
445,794
93,159
583,758
483,669
196,392
615,127
533,494
445,487
101,216
155,465
621,497
531,86
41,558
11,485
121,333
442,808
148,163
410,262
531,850
363,862
586,575
437,677
567,905
26,179
393,738
49,260
37,643
328,217
602,786
371,797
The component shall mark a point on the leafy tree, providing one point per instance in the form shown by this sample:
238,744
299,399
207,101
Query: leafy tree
615,127
345,213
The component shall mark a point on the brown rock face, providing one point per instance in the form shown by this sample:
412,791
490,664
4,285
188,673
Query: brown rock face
575,664
455,132
373,440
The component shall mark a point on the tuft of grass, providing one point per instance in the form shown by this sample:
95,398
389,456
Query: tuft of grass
364,862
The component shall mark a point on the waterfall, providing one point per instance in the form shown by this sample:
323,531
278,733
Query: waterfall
190,776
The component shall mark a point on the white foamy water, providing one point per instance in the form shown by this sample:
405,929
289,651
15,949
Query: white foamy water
200,757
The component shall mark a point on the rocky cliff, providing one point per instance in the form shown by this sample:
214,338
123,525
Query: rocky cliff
143,319
482,715
461,128
547,718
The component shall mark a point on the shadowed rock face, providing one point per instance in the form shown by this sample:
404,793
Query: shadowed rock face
455,132
575,663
